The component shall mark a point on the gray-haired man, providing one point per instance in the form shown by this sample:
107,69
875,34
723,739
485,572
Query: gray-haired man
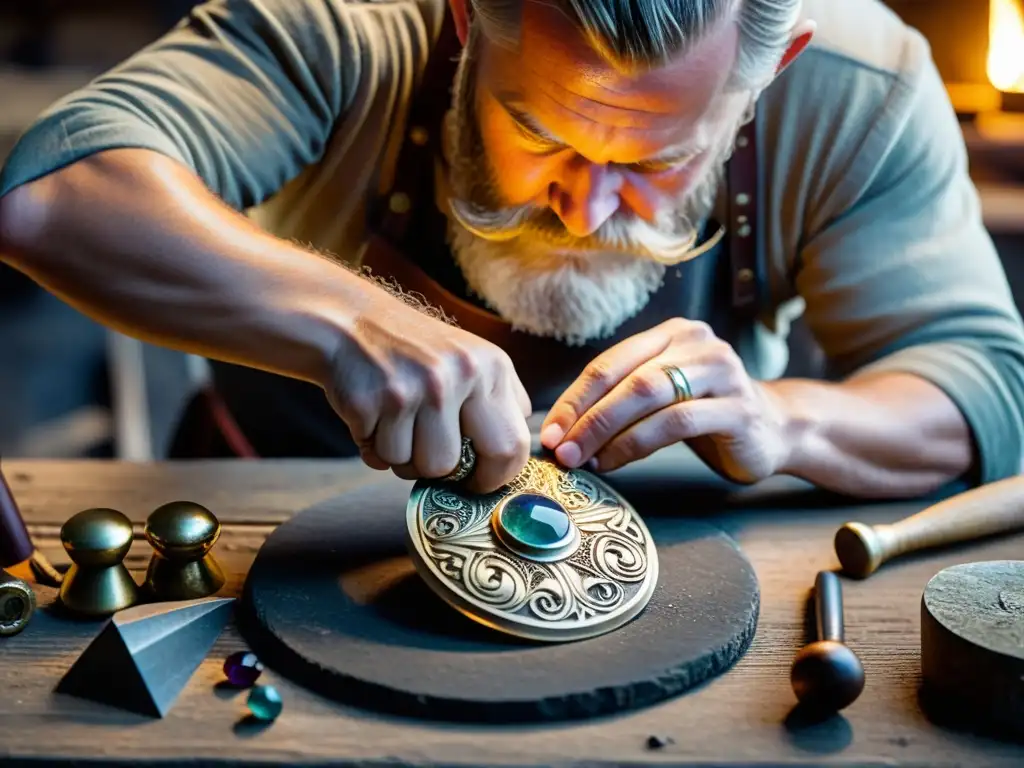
621,205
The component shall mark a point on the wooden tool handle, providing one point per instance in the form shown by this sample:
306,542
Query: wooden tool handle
990,509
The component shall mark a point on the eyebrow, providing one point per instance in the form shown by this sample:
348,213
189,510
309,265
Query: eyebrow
677,153
526,121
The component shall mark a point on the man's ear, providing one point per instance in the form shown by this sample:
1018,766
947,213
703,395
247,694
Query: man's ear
801,37
460,15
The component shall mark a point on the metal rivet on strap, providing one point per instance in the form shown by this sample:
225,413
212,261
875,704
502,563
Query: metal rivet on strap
418,135
744,231
742,198
399,203
742,141
742,218
745,275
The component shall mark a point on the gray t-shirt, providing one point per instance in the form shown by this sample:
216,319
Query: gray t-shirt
293,110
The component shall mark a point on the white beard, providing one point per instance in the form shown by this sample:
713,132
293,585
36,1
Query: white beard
571,298
574,298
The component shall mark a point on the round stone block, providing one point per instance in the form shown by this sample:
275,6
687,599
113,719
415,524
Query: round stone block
334,602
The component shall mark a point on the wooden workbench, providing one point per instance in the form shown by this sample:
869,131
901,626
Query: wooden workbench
741,718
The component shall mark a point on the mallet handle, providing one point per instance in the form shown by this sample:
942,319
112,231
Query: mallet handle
990,509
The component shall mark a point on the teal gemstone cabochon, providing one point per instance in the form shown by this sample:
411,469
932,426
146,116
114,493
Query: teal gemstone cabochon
535,521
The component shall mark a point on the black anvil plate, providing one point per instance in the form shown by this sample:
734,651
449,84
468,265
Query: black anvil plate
334,603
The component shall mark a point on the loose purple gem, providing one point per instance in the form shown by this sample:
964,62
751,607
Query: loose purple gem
242,669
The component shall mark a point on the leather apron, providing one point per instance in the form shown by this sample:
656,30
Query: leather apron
272,416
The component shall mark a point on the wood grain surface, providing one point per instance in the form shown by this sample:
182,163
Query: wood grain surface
741,719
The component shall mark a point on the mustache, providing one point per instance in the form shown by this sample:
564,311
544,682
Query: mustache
668,240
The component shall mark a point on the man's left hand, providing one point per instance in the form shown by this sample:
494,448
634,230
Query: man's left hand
624,407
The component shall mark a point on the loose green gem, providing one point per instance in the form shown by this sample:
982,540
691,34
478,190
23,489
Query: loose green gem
535,521
265,702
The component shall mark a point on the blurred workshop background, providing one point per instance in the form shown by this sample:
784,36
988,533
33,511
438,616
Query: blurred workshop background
69,388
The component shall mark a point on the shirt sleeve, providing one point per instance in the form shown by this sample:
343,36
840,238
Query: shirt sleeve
243,92
906,277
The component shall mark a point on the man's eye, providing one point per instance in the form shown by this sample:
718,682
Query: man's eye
656,166
537,143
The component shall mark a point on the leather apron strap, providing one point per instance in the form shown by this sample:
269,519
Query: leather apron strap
743,226
414,169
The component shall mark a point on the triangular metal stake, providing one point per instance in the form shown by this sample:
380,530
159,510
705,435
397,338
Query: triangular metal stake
144,656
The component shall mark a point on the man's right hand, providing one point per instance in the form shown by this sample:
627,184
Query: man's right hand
155,254
410,387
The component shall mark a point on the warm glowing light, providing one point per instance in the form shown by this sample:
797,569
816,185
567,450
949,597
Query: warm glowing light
1006,45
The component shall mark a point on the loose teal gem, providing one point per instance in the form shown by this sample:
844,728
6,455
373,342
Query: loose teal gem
535,521
265,702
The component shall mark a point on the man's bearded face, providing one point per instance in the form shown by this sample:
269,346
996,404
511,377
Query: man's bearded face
572,183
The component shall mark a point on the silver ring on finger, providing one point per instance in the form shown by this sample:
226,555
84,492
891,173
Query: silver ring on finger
680,384
466,465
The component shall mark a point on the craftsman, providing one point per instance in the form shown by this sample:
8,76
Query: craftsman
610,220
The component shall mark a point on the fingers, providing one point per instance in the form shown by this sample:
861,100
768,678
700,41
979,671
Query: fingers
599,378
437,441
609,368
408,402
668,426
393,439
432,447
501,440
501,445
709,368
371,459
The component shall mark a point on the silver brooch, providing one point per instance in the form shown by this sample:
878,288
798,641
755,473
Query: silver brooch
555,555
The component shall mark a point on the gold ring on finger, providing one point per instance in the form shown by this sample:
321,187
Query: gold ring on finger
680,383
466,465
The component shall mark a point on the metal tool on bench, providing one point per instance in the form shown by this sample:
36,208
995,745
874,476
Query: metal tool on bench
17,603
826,675
182,533
98,584
15,544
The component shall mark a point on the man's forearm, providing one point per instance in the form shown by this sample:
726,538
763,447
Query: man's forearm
883,435
138,243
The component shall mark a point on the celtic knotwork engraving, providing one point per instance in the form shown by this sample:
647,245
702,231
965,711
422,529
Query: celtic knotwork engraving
493,578
441,525
597,579
617,557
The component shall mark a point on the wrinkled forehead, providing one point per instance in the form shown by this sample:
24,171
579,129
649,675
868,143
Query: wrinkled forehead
555,71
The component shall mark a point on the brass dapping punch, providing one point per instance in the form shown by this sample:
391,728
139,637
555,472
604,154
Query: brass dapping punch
98,584
182,533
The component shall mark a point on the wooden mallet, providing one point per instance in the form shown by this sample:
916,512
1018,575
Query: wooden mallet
984,511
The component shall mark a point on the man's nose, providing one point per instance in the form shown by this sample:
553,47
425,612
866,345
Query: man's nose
585,196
